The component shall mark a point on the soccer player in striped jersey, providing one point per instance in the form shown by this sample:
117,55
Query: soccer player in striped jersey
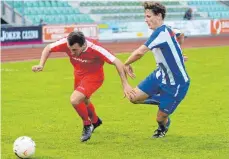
168,84
87,57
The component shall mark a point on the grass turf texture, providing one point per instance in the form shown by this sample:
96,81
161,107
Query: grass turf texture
37,105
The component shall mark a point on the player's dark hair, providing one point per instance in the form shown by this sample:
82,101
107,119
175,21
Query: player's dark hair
76,37
155,7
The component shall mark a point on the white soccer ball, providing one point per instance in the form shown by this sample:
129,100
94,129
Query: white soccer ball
24,147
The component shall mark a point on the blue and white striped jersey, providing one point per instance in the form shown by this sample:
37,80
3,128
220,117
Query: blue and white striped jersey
168,56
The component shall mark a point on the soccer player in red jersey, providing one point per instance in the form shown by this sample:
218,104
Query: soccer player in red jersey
87,57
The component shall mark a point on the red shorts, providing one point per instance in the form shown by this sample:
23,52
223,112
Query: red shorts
87,85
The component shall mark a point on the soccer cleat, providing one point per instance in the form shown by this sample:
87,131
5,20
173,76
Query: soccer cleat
97,124
159,133
86,134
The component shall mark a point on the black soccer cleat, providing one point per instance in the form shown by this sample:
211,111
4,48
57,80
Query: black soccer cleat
86,134
97,124
159,133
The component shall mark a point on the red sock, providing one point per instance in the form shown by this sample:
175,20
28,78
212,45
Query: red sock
91,112
83,113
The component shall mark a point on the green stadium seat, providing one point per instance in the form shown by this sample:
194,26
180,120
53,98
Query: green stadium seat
47,4
35,4
83,4
52,12
10,3
46,11
17,4
58,10
20,10
41,3
54,4
76,11
36,11
65,11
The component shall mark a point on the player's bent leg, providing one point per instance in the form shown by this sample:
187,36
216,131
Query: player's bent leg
152,100
139,97
96,121
97,124
77,99
167,106
148,91
163,121
91,111
144,98
162,117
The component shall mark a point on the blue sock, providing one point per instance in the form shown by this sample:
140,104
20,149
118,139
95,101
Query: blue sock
168,123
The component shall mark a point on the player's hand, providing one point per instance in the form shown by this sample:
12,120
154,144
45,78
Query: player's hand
185,58
129,92
37,68
129,70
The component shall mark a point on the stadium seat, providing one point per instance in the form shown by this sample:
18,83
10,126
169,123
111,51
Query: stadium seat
41,3
51,12
214,8
47,4
53,4
132,10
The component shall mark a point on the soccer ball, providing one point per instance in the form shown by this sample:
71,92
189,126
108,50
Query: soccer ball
24,147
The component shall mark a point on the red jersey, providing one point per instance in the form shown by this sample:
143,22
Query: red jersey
89,62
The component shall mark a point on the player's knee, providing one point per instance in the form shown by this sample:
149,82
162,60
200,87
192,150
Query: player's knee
134,100
74,101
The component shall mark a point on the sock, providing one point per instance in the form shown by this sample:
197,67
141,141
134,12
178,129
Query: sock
83,113
168,123
166,126
91,112
161,126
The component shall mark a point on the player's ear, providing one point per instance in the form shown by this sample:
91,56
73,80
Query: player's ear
159,16
84,45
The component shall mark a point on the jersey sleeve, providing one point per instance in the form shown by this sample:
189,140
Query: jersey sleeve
156,38
59,46
104,54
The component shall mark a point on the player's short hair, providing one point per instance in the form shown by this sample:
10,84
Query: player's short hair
76,37
155,7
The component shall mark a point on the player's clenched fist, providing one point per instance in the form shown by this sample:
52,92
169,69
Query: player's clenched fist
37,68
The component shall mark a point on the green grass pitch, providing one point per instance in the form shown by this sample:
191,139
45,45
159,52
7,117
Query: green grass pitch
37,105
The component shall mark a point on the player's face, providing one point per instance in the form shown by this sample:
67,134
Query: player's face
75,49
151,19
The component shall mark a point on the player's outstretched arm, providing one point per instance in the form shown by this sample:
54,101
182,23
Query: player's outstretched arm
44,56
136,55
128,91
